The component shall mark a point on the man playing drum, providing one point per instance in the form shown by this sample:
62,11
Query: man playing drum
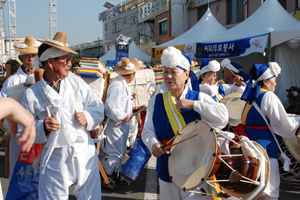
265,115
192,105
230,68
216,89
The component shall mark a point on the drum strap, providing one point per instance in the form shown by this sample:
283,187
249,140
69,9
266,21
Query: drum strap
175,117
287,161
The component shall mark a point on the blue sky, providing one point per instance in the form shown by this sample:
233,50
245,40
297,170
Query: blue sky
78,19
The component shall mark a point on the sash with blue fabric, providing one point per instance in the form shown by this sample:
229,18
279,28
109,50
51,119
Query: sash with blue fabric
221,94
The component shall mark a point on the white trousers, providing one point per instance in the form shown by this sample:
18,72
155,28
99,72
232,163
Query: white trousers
168,191
77,165
272,188
115,146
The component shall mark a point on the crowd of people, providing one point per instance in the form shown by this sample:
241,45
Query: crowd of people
60,109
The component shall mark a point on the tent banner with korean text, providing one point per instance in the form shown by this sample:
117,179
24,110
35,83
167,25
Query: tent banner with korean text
157,52
122,51
234,48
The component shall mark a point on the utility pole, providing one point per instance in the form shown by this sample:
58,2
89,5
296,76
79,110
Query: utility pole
52,18
12,25
2,36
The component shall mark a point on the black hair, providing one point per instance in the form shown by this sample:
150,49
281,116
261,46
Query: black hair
200,79
42,49
75,64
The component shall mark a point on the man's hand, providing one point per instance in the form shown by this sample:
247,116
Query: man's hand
184,103
51,124
238,80
81,119
219,82
127,118
133,95
157,150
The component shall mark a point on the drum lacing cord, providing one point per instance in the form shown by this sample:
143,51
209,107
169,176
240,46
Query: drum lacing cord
285,149
251,181
224,135
287,161
214,188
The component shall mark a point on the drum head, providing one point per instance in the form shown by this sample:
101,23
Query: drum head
235,107
293,146
298,135
237,194
193,159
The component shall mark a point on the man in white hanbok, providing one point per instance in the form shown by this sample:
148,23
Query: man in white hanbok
64,107
192,104
28,49
118,108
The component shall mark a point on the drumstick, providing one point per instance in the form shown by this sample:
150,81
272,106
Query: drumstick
5,137
134,114
167,147
235,75
173,138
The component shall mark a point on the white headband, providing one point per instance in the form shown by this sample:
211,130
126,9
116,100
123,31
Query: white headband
213,66
22,45
273,70
51,52
172,57
227,63
22,53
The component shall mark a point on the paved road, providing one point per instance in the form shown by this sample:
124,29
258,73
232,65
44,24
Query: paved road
146,186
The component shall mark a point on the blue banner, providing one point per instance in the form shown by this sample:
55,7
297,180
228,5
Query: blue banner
234,48
122,51
110,63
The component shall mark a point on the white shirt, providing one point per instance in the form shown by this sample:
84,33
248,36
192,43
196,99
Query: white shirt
212,112
280,122
18,77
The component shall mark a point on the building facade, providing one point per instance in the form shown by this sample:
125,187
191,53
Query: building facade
89,49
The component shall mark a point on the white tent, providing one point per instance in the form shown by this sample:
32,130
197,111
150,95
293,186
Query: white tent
110,55
291,35
207,27
270,16
134,52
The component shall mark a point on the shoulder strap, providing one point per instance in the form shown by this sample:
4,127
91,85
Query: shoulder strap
176,119
287,161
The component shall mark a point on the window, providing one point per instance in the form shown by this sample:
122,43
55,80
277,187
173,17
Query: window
124,20
116,25
133,20
105,26
201,11
163,27
283,3
235,11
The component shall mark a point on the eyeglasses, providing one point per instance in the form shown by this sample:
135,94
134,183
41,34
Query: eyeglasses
64,61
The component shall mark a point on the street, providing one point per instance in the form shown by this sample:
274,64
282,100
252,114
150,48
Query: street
146,185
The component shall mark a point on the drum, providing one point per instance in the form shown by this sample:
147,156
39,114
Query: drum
235,107
291,148
193,162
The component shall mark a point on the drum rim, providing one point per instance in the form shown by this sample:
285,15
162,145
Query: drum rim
214,158
267,175
226,99
289,143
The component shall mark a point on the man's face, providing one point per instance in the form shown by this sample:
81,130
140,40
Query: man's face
61,66
27,60
227,75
